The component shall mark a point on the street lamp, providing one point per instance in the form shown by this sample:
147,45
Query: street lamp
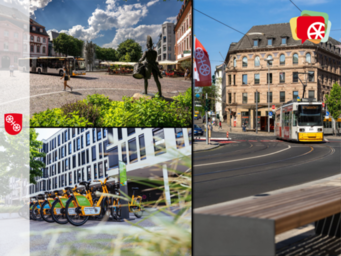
269,59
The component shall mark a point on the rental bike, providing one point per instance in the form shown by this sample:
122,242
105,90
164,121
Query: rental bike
87,205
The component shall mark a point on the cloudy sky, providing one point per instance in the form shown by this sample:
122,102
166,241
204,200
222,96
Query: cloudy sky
106,22
244,14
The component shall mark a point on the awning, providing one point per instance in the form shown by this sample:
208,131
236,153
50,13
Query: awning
168,62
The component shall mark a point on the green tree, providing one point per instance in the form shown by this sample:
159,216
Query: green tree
35,164
68,45
106,54
212,94
130,47
333,101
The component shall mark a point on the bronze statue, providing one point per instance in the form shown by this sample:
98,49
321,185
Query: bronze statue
148,67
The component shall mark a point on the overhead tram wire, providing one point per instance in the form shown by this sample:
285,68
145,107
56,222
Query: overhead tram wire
224,24
295,5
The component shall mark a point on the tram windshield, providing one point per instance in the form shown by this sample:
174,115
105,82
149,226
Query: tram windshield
310,115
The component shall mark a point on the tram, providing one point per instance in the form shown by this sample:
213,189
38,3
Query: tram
300,121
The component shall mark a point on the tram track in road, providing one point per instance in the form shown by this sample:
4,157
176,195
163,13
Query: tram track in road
302,163
229,152
254,168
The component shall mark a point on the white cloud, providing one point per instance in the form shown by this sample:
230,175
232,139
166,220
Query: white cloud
152,2
139,34
171,19
37,4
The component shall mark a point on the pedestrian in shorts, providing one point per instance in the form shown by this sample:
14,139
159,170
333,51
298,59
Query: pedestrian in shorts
66,78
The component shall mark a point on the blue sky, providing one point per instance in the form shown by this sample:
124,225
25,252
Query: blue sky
106,22
244,14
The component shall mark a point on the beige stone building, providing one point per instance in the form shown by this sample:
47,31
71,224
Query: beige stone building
247,73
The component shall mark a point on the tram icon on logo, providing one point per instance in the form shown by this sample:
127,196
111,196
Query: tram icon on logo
13,123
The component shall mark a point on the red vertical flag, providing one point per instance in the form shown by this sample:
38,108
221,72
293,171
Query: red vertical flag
202,66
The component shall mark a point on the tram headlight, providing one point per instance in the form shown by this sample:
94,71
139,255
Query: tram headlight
319,129
302,130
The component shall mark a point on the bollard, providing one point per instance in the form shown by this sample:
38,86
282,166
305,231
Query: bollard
227,135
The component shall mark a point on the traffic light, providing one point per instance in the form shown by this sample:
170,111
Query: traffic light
213,79
207,105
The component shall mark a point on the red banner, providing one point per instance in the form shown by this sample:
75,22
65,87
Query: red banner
202,66
13,123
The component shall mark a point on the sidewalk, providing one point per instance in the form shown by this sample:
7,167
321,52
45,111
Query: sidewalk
201,145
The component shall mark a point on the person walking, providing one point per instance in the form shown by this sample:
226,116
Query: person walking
66,78
186,74
11,68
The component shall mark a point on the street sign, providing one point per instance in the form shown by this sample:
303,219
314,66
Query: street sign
327,113
273,106
197,95
270,114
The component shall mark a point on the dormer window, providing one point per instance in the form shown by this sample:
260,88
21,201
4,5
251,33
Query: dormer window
34,28
41,30
270,41
284,40
255,42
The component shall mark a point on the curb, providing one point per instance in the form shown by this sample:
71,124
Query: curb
273,192
206,149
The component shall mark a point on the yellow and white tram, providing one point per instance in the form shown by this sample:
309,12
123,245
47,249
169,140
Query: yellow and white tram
300,121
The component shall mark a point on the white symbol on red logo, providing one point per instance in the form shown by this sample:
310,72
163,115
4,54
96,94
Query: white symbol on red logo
204,69
16,127
11,123
316,30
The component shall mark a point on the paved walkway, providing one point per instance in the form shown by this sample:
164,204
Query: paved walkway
46,91
201,145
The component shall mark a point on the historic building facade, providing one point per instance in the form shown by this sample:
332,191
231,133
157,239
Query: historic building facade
14,34
79,154
247,72
39,40
183,33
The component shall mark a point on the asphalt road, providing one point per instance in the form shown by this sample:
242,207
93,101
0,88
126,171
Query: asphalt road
252,165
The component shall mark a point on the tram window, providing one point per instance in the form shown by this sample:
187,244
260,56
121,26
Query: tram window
294,118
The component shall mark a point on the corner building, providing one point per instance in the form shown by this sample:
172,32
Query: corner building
79,154
247,73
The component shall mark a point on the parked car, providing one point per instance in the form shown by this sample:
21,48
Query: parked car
198,130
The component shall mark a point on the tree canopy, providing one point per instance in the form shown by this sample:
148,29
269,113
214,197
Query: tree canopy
68,45
129,50
108,54
333,101
35,164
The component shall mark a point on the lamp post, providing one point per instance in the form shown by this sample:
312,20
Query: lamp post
269,60
256,111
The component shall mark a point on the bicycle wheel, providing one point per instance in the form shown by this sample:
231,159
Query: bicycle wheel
136,209
45,212
73,214
59,218
116,210
36,212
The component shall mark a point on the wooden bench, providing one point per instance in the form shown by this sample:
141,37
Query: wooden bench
249,227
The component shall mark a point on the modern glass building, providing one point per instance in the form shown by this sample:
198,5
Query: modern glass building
80,154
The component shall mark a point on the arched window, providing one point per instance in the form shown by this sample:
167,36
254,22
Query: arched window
38,39
308,58
282,59
257,61
269,62
43,49
234,62
295,58
244,62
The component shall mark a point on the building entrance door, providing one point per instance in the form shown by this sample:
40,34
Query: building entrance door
5,62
